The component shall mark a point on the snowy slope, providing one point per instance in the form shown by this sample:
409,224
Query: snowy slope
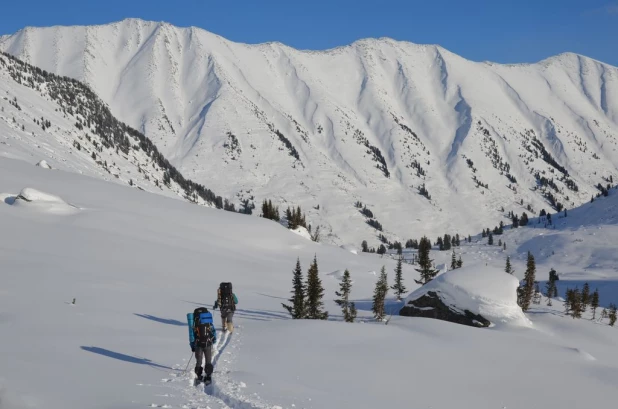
60,124
372,121
138,262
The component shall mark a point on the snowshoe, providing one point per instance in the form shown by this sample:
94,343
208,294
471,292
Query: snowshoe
207,380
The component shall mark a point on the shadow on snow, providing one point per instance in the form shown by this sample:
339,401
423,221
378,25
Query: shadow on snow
123,357
162,320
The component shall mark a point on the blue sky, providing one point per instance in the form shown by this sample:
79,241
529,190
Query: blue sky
499,30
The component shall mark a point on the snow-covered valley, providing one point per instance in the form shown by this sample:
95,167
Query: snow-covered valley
137,262
373,122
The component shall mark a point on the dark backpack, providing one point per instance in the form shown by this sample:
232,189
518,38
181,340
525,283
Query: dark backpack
202,326
226,297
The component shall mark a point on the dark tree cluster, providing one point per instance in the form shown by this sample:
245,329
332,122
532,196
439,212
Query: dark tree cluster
547,156
422,190
419,169
374,151
366,212
306,301
269,211
295,218
286,142
426,270
412,244
375,224
448,242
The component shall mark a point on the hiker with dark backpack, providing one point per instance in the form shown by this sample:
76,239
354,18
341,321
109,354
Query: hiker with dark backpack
226,302
202,336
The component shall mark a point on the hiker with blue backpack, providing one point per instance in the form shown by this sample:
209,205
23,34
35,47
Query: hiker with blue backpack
202,336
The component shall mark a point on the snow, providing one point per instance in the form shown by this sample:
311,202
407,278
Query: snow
302,232
43,164
137,262
481,290
187,89
35,200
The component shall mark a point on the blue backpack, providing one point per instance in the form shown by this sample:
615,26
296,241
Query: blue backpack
203,327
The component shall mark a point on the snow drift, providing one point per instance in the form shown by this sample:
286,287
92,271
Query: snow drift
35,199
482,291
43,164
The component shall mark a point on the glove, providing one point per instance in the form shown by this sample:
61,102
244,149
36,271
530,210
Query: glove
192,347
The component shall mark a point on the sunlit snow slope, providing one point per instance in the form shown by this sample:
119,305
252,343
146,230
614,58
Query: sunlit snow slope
136,263
372,121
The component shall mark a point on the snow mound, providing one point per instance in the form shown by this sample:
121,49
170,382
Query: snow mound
46,202
480,290
301,231
350,248
43,164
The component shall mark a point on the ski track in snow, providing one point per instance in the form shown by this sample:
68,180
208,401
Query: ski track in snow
222,392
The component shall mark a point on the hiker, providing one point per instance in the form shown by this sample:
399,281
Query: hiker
226,302
201,338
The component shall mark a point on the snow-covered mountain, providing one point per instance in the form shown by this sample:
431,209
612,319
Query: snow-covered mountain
372,122
60,123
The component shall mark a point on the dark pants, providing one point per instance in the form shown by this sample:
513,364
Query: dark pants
206,353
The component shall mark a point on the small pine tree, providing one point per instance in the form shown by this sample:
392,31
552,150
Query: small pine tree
594,303
459,262
567,300
490,241
379,296
398,287
576,303
315,292
585,296
504,246
365,246
528,289
297,307
509,268
612,314
347,308
453,262
426,270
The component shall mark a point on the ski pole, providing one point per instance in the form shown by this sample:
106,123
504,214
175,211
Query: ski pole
190,358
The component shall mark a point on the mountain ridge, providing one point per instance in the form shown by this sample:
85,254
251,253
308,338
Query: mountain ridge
403,128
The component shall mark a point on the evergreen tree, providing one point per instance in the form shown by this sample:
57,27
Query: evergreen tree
550,286
453,262
509,268
515,220
576,303
459,262
537,293
612,314
500,242
524,220
490,241
381,249
594,303
427,273
315,292
504,246
484,234
528,288
585,296
567,300
469,239
347,307
379,296
398,287
297,307
365,246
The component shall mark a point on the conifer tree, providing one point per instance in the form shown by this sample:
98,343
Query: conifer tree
484,234
567,300
490,241
297,307
509,268
594,303
528,288
379,296
426,270
398,287
585,296
551,290
347,307
576,303
453,262
504,245
469,239
459,262
612,314
500,242
365,246
315,292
